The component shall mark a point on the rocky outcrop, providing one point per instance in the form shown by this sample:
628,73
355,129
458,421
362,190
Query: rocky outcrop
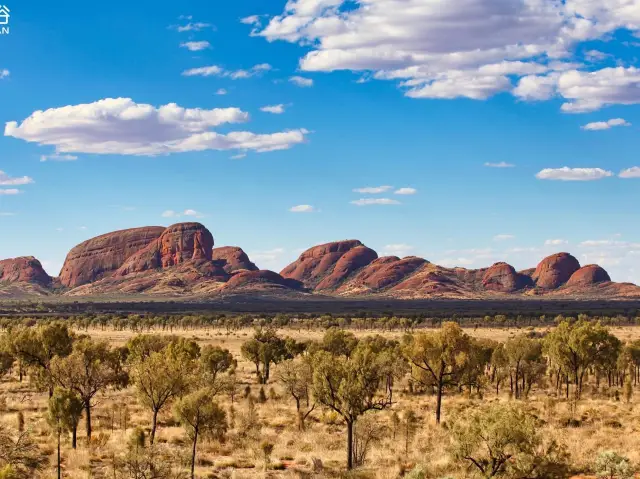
232,259
555,270
26,269
324,267
503,278
589,275
100,257
384,272
177,244
261,279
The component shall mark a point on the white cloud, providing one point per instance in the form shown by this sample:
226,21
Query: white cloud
301,81
633,172
302,209
275,109
221,92
176,214
196,46
375,201
468,48
251,20
372,190
194,27
573,174
58,157
399,249
503,237
6,180
10,191
239,156
5,213
4,74
405,191
122,127
216,70
502,164
590,91
555,242
605,125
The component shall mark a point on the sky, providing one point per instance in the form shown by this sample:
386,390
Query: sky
463,131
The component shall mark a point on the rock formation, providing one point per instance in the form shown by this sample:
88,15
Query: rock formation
232,259
502,277
588,276
26,269
99,257
555,270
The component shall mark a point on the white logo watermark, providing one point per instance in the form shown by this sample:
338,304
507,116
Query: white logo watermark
5,14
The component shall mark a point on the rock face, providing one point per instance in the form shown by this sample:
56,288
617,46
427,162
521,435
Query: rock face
555,270
177,244
502,277
385,271
588,276
99,257
326,266
261,279
232,259
26,269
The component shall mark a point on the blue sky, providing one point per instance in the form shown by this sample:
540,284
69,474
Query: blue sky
414,94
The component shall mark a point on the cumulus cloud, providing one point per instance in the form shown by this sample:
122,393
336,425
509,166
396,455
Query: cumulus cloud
573,174
503,237
590,91
9,191
196,46
58,157
375,201
216,70
301,81
372,190
221,92
6,180
405,191
450,49
251,20
555,242
193,27
502,164
122,127
633,172
177,214
4,73
302,209
275,109
605,125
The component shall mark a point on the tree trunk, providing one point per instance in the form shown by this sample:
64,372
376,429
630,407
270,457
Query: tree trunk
74,436
154,425
349,444
439,401
59,470
87,411
193,454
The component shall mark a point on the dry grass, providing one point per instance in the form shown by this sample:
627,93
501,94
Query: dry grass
604,424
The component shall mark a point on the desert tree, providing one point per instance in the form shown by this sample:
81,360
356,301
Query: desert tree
503,441
339,342
296,376
215,360
91,368
525,362
201,417
267,348
36,347
63,415
350,387
576,348
159,378
438,359
20,456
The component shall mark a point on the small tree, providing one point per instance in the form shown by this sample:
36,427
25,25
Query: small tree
350,387
502,441
409,428
296,376
215,360
611,465
159,378
64,413
89,369
200,417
